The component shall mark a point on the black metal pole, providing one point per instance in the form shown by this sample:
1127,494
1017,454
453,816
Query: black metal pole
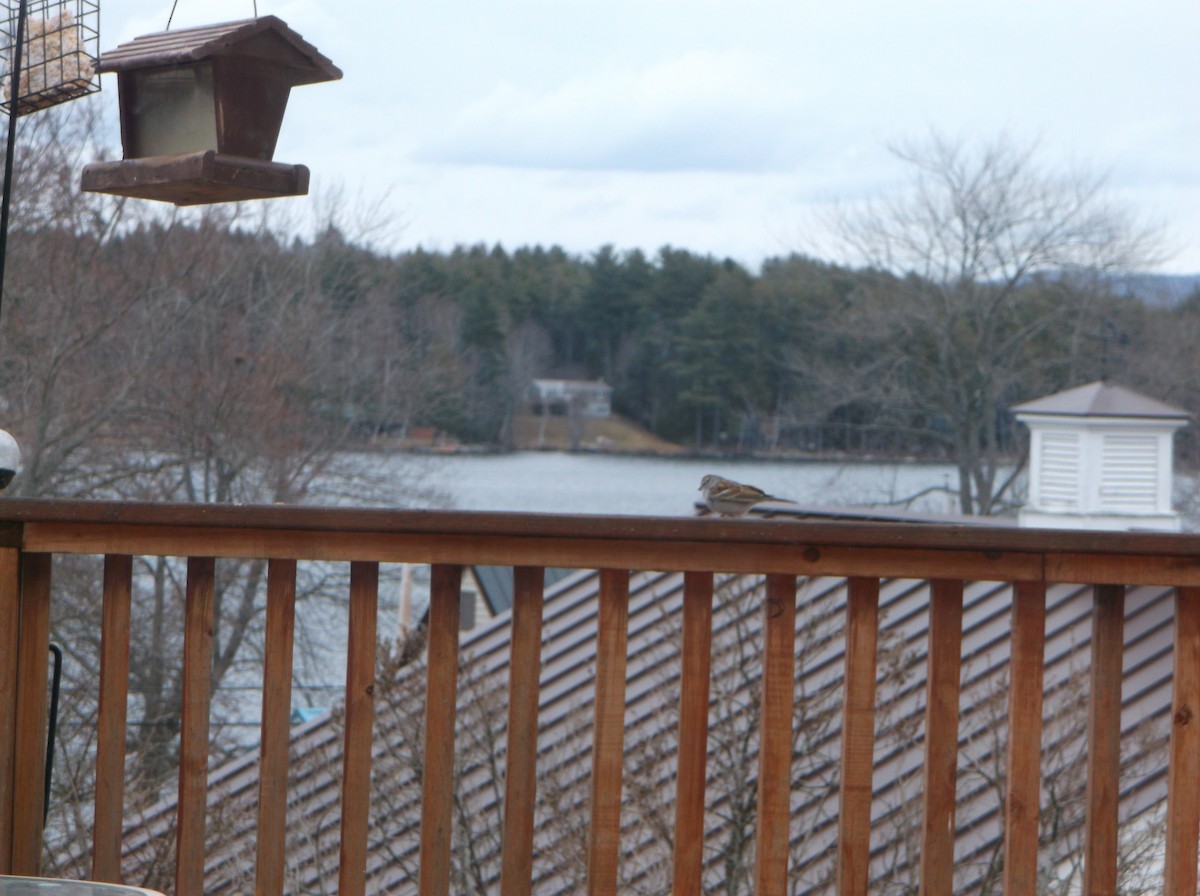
52,726
14,103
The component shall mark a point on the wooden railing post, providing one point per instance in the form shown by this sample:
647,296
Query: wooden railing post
1183,771
110,728
32,679
942,686
520,768
775,737
1022,798
193,733
360,725
858,738
695,676
608,734
441,708
10,619
1104,741
276,725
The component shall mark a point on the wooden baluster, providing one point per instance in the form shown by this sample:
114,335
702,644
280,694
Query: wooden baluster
1022,798
193,731
440,711
775,737
1183,796
1104,741
608,733
360,723
858,737
276,725
942,685
520,778
695,675
110,727
10,619
33,661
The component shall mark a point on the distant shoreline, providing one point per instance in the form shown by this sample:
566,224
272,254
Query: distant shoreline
678,454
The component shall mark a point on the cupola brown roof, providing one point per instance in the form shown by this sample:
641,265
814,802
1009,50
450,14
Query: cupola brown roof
1100,399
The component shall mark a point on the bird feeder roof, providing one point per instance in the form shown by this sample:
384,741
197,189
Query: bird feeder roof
1100,399
267,38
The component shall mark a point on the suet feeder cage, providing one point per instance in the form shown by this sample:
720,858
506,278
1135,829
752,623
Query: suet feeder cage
201,110
58,56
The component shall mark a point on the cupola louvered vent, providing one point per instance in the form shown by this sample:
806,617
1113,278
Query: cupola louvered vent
1060,470
1129,472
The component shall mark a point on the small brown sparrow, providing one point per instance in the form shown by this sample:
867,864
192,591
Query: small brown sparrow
729,498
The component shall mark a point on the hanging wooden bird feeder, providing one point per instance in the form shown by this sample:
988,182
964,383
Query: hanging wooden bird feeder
201,110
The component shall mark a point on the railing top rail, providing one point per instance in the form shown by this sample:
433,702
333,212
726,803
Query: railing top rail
16,514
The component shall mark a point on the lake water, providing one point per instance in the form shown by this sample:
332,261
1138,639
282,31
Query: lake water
560,482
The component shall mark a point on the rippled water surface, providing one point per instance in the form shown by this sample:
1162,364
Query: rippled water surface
553,482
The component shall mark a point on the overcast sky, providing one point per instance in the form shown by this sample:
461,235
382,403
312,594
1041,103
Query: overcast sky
718,126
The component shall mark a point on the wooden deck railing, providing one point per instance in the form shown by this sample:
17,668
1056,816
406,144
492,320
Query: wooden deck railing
32,532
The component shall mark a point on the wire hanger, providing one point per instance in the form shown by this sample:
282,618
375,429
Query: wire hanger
176,3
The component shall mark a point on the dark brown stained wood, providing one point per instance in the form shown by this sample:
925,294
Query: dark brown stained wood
1104,742
193,733
520,771
440,710
608,733
1183,771
775,737
276,724
10,617
250,106
695,675
250,68
1024,762
360,722
858,738
941,737
262,37
198,178
33,659
110,727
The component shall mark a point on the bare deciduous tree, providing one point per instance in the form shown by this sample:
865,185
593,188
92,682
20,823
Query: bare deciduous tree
155,355
986,250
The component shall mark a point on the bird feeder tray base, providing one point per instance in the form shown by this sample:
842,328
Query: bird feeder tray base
200,178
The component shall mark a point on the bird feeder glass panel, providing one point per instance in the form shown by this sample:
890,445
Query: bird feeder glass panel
172,111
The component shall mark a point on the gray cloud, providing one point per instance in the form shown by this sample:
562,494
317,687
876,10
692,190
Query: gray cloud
697,112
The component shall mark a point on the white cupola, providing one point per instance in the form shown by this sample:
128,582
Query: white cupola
1100,457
